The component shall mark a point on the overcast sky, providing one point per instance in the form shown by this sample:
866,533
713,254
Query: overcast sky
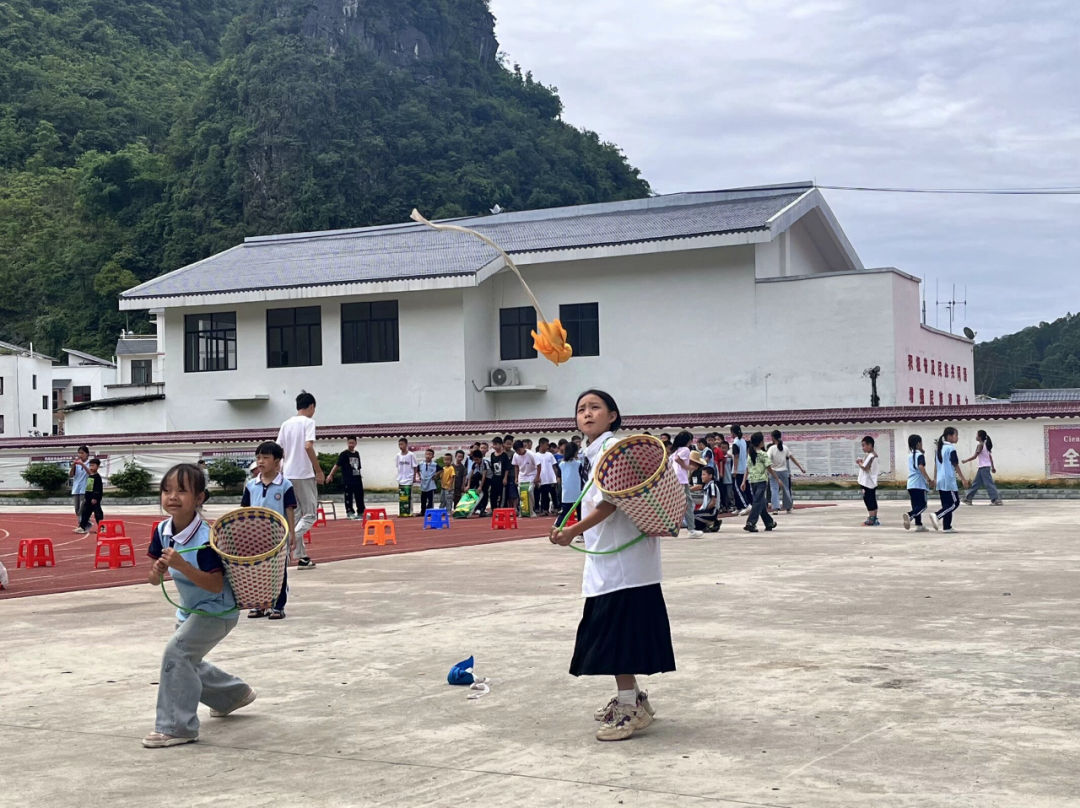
911,93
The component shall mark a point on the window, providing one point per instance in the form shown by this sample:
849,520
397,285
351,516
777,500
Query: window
1,385
80,395
44,402
582,324
294,337
1,425
209,342
142,371
939,368
35,383
515,337
57,399
369,332
35,420
918,363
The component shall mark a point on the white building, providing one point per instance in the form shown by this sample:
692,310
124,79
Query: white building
25,391
748,299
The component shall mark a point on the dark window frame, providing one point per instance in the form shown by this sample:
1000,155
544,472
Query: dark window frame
77,397
582,324
146,368
370,332
216,344
516,325
299,342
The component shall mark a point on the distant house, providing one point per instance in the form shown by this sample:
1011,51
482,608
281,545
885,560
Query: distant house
1045,394
25,391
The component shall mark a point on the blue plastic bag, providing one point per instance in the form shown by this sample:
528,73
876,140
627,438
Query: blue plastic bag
461,673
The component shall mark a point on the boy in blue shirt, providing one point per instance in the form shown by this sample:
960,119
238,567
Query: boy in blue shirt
271,490
427,471
78,476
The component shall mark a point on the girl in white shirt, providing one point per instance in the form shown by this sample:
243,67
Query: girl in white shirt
624,630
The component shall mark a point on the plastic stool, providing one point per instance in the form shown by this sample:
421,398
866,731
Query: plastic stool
380,531
504,519
436,519
35,553
333,507
112,555
571,518
111,529
374,513
307,537
153,530
320,518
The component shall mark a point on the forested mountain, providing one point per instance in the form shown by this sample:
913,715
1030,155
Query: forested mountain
1046,355
136,137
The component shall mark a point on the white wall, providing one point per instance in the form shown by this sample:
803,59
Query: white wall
22,401
145,417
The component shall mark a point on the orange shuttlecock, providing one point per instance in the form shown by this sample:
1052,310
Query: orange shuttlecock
551,342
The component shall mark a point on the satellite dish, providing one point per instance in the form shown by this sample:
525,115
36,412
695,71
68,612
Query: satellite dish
969,333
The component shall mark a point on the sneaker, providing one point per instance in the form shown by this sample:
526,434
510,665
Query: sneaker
997,502
922,529
277,614
934,521
968,501
83,532
157,740
770,528
745,511
305,564
696,534
907,521
258,613
868,523
643,702
622,721
949,530
244,702
750,529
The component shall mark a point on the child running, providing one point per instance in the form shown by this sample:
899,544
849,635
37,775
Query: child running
948,471
984,453
186,678
271,490
758,471
624,630
918,483
868,480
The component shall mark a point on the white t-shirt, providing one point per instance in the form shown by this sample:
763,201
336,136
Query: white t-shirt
779,458
526,464
547,468
869,478
638,565
406,468
681,473
293,437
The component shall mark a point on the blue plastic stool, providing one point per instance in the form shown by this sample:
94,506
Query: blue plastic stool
436,519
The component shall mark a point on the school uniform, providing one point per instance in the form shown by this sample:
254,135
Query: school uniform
705,516
727,487
757,475
742,498
570,471
278,496
624,627
500,468
916,486
946,484
91,506
427,485
868,480
186,678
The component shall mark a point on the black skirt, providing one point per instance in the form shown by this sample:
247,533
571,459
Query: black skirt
624,632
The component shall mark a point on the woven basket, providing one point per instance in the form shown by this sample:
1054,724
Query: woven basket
636,475
253,545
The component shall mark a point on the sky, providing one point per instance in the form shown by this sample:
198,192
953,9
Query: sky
905,93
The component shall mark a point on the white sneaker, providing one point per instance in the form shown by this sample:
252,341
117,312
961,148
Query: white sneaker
696,534
250,697
949,530
745,511
934,521
79,530
622,721
643,701
907,521
922,529
157,740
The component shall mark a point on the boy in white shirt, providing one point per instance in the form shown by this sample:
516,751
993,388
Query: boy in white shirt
868,480
528,475
407,474
548,478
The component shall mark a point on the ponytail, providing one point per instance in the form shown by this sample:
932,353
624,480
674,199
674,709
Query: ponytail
940,442
776,436
985,438
757,439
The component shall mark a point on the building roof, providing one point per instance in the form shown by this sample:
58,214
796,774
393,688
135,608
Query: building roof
1053,394
411,250
133,345
757,419
118,401
89,359
21,351
60,384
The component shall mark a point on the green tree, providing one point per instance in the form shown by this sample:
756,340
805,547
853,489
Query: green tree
132,479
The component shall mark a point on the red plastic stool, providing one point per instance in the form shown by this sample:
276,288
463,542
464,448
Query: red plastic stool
111,529
571,519
320,518
35,553
112,555
374,513
307,537
503,519
153,530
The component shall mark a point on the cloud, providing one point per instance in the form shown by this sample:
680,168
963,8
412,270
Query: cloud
925,94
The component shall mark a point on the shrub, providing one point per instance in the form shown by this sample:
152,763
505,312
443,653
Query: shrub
227,474
49,477
132,480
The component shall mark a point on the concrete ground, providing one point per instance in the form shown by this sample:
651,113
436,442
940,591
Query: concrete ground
826,664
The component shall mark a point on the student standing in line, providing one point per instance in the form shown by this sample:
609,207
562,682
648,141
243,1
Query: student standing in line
918,483
548,477
723,476
427,471
868,480
447,483
739,458
528,472
947,471
461,476
78,475
624,630
511,491
758,471
500,475
570,472
680,461
984,453
349,463
406,477
301,467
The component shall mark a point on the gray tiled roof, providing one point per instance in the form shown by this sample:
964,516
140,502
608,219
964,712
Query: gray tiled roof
89,358
399,252
18,349
1057,394
132,345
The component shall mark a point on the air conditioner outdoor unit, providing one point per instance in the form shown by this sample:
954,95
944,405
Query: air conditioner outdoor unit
505,377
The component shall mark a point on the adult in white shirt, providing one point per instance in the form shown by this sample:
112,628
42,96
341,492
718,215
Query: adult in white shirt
779,458
301,467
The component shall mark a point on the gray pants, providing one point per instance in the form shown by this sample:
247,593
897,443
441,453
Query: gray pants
307,502
783,486
77,500
186,679
690,518
447,501
983,479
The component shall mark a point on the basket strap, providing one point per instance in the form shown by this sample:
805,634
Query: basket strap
184,609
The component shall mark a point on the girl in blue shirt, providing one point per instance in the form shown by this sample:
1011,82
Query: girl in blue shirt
948,472
570,476
208,615
918,483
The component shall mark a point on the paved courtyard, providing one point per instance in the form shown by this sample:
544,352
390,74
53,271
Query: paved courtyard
826,664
